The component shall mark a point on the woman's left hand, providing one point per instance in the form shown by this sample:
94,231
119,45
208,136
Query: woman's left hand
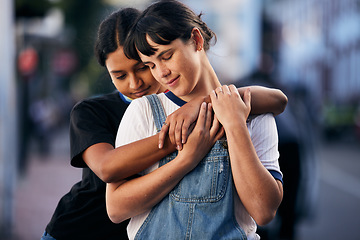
229,107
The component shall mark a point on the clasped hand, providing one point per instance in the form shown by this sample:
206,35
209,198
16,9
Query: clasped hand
227,104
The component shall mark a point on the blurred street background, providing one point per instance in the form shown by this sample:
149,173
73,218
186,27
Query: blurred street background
310,49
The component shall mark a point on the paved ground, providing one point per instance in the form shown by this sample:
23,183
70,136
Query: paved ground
48,178
336,216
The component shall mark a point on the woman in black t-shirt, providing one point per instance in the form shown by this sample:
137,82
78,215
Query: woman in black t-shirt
81,213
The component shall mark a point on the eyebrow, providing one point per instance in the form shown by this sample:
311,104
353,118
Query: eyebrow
163,52
119,71
160,55
116,71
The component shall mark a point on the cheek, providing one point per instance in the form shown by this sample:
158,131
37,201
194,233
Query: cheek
147,77
155,75
121,86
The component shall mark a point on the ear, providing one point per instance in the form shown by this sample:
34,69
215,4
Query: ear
197,38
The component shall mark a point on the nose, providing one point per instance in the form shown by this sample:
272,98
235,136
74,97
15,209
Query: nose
135,82
162,71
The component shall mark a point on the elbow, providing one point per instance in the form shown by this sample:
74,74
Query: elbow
116,217
268,213
283,101
264,218
106,175
115,213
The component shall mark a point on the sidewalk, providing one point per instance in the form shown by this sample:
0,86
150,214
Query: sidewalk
38,192
48,179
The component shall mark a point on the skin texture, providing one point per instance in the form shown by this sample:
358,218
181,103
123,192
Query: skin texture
133,79
130,77
260,193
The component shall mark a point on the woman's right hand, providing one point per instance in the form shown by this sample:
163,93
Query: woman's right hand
206,132
180,123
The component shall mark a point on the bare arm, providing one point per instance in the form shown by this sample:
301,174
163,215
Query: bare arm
114,164
126,199
260,193
263,100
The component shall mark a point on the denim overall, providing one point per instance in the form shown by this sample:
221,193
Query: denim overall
201,205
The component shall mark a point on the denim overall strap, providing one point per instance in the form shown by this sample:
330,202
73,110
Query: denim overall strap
201,205
157,110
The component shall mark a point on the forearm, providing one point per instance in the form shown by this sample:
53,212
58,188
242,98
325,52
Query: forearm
264,100
113,165
127,199
260,193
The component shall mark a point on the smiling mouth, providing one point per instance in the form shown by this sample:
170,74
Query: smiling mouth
173,81
142,92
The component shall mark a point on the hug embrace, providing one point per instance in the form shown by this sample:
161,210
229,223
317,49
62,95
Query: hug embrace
192,159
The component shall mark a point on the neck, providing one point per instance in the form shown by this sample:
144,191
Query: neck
207,82
162,89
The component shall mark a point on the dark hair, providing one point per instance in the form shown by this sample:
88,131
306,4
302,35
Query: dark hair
113,31
164,22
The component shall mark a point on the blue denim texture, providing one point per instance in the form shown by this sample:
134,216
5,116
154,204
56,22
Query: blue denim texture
201,206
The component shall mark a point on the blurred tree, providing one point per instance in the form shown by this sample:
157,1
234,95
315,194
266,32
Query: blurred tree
26,8
83,17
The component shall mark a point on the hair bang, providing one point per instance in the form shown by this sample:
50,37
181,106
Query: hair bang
150,26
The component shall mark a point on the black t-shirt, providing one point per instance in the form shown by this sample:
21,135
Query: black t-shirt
81,213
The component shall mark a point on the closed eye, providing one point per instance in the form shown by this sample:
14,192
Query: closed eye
150,65
121,77
167,57
143,68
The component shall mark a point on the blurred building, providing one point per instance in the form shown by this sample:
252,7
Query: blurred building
320,50
8,117
315,46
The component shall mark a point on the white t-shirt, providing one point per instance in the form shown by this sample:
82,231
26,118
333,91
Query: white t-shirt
138,123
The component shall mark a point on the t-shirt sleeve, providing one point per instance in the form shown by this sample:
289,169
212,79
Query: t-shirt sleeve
264,137
136,123
88,126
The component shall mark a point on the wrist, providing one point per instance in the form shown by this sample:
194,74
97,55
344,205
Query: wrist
235,125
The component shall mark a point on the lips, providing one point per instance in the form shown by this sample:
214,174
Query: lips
173,82
141,92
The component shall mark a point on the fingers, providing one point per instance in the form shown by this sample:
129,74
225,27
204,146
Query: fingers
223,90
208,116
172,132
185,131
217,131
177,135
247,98
202,115
233,89
162,134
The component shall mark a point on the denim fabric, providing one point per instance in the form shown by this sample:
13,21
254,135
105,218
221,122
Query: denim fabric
201,206
47,236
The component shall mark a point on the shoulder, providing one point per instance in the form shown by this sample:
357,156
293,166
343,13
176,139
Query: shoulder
99,101
266,120
142,105
139,105
137,122
263,132
255,119
99,106
262,128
